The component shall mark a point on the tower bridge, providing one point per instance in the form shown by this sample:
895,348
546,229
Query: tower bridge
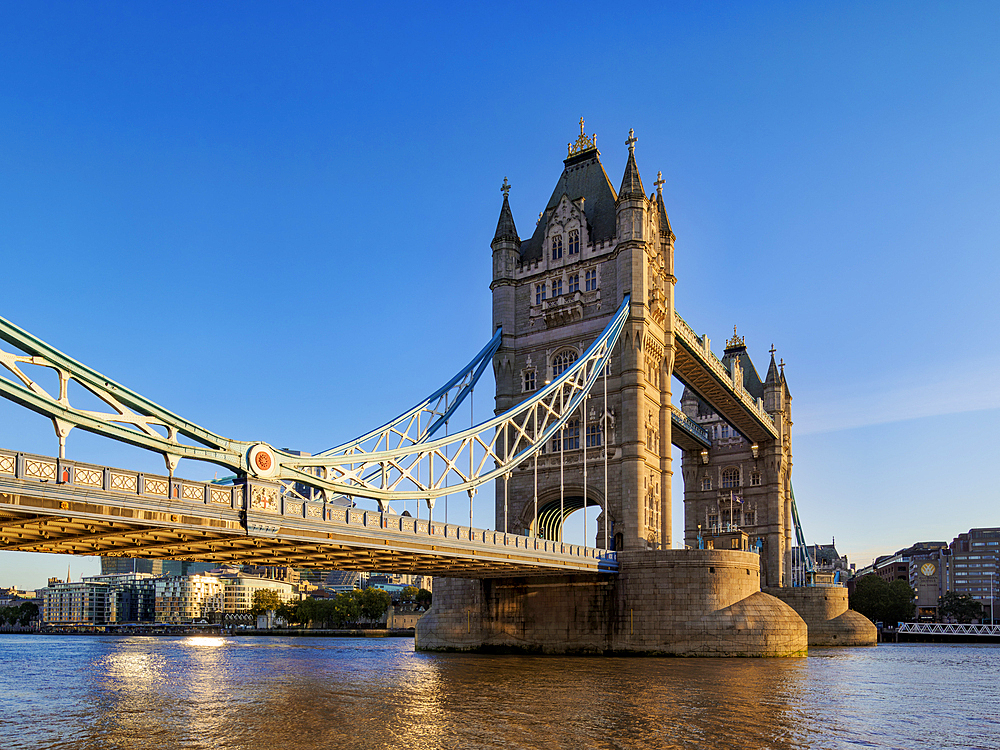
585,349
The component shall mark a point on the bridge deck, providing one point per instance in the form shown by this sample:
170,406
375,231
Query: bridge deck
53,505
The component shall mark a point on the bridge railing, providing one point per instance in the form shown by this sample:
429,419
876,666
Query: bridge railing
700,344
45,469
941,628
179,492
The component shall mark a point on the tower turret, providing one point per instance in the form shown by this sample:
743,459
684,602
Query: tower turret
506,255
631,205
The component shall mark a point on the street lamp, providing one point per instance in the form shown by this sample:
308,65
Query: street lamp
992,621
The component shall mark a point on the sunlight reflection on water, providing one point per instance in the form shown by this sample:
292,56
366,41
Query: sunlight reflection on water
248,693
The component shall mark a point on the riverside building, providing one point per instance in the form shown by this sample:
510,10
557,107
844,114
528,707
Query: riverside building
975,566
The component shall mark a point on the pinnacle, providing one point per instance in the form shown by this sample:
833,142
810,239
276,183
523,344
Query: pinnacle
631,182
506,231
772,371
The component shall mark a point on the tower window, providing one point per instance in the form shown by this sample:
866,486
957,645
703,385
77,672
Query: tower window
706,483
539,293
574,241
590,280
725,431
562,361
755,479
593,436
556,288
571,434
731,478
557,245
574,283
529,380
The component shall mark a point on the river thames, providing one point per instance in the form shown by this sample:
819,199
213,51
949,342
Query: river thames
300,693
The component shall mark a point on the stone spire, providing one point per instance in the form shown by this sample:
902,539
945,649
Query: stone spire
631,182
506,231
665,228
772,372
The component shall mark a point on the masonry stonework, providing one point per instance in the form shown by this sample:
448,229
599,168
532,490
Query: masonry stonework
553,294
824,610
662,602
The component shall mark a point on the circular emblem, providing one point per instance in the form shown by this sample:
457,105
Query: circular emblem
927,569
261,461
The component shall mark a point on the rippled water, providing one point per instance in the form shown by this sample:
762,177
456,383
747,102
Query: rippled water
302,693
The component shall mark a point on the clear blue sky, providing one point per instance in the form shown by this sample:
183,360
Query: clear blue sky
275,219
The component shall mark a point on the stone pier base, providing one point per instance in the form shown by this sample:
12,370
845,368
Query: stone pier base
669,602
825,612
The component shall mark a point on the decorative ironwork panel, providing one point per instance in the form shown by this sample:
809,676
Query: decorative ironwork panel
293,508
314,511
155,486
123,482
39,469
89,477
192,492
221,496
7,464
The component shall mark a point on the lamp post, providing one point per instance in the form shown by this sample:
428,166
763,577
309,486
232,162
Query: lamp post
992,622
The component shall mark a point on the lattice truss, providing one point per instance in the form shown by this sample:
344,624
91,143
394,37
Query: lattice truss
401,460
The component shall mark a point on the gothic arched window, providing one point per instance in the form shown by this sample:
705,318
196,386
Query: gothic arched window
557,247
574,241
562,361
731,478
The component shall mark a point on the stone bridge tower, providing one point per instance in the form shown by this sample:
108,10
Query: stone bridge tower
553,294
738,482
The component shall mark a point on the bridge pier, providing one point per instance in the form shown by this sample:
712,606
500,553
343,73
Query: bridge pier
830,622
662,602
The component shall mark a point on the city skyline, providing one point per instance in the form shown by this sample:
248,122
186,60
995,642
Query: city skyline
278,225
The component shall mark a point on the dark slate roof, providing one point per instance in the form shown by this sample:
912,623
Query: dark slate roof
751,380
505,226
631,181
825,553
583,177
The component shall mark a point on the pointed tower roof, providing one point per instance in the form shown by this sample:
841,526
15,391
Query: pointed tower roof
584,177
665,227
784,382
772,372
631,182
736,349
505,225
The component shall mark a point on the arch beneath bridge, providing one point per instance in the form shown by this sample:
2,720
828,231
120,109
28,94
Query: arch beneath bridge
553,513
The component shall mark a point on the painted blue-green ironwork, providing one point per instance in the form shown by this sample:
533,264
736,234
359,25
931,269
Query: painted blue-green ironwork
398,461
